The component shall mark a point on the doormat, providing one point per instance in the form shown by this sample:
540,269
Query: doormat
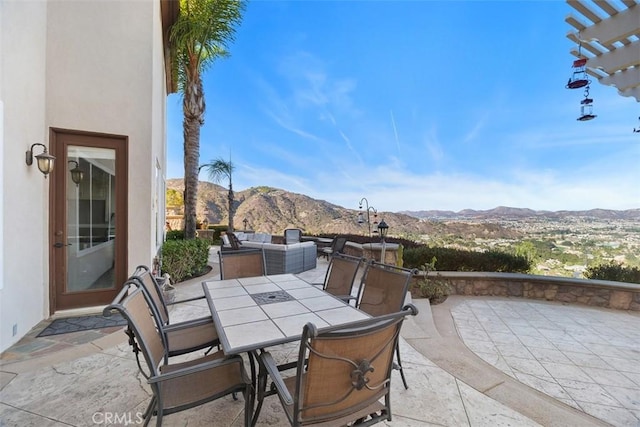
82,323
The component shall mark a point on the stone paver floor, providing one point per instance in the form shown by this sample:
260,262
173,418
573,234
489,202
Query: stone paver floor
591,364
586,357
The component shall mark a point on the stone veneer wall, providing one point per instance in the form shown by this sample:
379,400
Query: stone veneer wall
599,293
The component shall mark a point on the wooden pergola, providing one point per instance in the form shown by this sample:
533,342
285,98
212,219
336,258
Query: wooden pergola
607,34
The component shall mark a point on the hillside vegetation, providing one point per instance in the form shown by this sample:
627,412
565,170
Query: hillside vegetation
563,243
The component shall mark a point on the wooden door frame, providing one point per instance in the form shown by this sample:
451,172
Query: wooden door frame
122,209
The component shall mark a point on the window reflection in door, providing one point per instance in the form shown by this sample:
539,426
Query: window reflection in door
91,220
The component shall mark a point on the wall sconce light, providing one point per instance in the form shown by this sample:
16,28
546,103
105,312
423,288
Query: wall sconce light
45,160
76,173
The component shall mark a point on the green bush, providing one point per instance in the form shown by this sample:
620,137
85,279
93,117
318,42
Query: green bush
432,287
175,235
461,260
183,259
613,271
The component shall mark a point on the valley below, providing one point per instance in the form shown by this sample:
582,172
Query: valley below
561,243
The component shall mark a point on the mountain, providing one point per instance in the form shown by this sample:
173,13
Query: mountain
272,210
504,213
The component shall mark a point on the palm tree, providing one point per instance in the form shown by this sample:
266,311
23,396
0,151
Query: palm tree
200,36
218,169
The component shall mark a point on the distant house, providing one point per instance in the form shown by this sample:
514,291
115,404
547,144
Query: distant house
88,80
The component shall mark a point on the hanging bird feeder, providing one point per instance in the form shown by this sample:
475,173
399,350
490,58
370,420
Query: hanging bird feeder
586,107
579,76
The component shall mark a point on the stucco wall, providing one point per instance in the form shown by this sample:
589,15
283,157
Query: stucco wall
24,293
90,66
104,81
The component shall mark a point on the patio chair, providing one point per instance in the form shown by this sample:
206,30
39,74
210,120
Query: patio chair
242,263
383,289
342,374
177,386
182,337
292,235
337,246
340,276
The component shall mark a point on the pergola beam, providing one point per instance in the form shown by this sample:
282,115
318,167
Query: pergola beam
616,60
623,80
583,9
609,39
607,7
615,28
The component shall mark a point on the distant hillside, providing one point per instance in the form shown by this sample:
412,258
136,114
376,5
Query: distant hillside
503,212
272,210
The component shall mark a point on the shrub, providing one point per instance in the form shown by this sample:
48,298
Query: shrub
613,271
175,235
461,260
183,259
432,287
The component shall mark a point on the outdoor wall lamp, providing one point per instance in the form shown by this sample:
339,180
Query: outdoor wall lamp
45,160
368,209
76,173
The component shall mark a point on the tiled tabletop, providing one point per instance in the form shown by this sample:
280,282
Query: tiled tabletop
257,312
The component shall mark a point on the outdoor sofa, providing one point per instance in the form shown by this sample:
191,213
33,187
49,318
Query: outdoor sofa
281,258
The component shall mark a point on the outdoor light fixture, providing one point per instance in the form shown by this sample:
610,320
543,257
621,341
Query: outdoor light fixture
76,172
45,160
361,219
245,222
383,228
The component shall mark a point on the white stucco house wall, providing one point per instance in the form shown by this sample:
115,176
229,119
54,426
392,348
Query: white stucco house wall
75,75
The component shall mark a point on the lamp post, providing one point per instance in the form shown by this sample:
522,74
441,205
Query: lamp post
384,228
368,209
245,222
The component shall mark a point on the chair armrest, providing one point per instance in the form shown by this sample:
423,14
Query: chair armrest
186,300
346,298
189,323
274,373
195,369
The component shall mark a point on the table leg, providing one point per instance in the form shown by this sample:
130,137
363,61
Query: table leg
259,381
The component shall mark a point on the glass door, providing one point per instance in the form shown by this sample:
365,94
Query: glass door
91,218
87,251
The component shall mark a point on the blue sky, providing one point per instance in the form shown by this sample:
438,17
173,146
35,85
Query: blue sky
415,105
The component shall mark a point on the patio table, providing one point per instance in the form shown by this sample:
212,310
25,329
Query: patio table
256,312
253,313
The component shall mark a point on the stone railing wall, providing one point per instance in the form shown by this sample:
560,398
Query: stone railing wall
599,293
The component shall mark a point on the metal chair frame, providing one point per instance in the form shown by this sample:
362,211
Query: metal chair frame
207,378
341,275
242,263
383,289
342,372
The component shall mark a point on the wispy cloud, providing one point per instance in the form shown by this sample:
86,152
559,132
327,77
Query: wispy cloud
395,131
472,135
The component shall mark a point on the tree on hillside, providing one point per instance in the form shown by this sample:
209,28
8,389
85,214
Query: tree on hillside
173,198
217,170
200,36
